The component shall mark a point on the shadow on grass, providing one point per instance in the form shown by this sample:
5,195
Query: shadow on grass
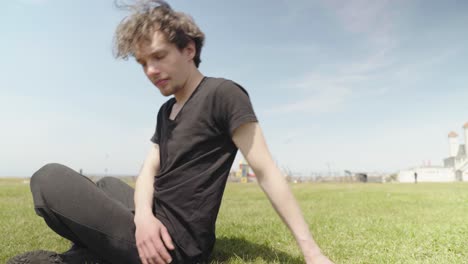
235,248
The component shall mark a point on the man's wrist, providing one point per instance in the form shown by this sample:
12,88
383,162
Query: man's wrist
142,213
309,247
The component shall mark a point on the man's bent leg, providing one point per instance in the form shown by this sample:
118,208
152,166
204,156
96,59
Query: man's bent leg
122,192
118,190
74,207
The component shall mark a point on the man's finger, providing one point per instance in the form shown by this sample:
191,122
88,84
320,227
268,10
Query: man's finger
167,239
161,249
152,256
142,254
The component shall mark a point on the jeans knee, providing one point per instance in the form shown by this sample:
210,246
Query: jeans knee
45,173
45,177
107,181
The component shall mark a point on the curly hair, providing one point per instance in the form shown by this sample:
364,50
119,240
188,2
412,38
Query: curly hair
149,16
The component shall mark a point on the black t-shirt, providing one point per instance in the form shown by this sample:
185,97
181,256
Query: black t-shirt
196,152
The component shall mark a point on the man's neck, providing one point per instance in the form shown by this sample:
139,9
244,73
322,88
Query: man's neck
192,82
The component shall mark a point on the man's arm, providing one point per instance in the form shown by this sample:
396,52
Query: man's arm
144,189
151,235
249,139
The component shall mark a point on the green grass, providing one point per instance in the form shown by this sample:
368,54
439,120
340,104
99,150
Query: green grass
353,223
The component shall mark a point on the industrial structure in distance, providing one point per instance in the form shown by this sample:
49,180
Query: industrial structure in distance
455,165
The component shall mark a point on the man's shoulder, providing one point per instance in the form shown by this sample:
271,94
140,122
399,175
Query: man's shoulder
214,82
220,85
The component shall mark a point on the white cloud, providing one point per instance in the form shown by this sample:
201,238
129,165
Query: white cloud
330,92
327,99
326,92
411,71
293,10
35,2
361,15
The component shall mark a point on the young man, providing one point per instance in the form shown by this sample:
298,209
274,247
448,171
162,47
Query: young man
178,192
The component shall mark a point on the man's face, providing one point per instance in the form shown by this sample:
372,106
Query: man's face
164,64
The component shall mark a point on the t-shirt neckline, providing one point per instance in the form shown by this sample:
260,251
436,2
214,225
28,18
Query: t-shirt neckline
174,101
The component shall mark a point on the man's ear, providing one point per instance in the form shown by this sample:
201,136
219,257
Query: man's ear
190,50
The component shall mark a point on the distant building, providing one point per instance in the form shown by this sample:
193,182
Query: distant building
458,159
455,166
427,174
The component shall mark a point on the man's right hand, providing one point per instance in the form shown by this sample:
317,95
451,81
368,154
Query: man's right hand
152,240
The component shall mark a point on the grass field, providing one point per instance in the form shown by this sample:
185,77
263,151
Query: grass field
353,223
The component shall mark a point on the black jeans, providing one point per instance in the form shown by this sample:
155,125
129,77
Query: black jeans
96,216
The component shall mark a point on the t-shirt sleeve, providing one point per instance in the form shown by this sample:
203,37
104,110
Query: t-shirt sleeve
157,132
233,107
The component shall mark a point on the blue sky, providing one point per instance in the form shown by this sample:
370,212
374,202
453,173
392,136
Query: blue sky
351,85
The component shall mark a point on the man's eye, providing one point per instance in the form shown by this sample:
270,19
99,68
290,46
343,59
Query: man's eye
159,56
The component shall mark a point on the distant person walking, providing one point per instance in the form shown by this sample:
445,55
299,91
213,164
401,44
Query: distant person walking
415,177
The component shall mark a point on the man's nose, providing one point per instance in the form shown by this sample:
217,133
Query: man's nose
152,69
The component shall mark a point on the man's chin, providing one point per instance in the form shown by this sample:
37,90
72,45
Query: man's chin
166,92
